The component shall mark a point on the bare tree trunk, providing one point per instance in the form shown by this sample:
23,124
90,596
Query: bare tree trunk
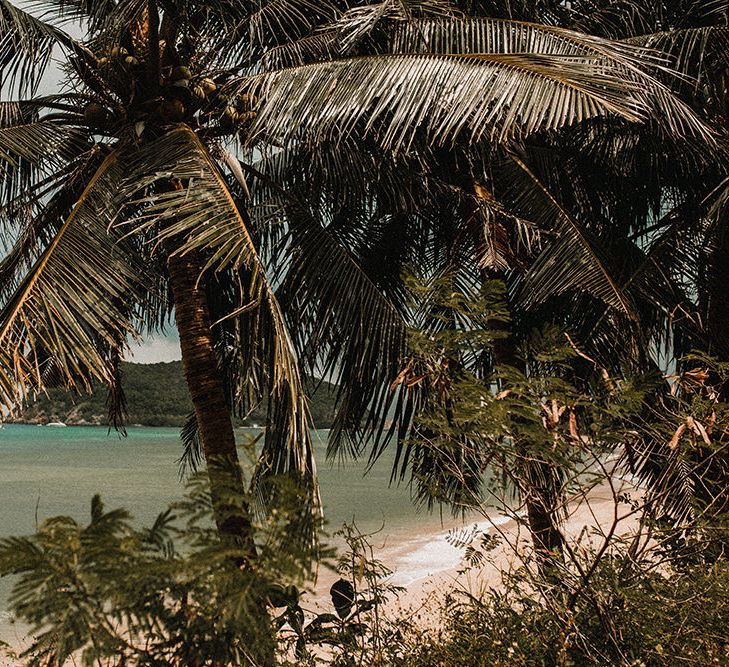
212,412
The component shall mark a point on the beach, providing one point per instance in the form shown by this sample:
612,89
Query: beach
427,565
56,471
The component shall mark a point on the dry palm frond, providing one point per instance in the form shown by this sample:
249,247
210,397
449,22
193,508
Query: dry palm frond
71,309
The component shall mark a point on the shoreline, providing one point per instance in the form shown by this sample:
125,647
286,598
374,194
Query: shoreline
587,522
427,565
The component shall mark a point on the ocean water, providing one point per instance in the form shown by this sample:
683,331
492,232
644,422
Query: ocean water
46,471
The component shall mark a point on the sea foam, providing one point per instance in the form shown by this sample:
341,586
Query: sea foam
428,555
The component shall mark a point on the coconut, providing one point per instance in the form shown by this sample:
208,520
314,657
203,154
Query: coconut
180,73
172,110
208,85
95,114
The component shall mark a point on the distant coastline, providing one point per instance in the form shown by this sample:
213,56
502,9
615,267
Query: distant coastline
156,395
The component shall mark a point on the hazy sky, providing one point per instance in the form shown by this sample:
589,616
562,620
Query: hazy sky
160,348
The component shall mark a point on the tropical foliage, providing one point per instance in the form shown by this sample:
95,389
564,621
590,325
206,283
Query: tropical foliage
132,163
642,619
268,170
108,593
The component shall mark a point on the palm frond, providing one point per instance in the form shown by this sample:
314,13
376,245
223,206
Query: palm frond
491,35
35,158
497,96
633,58
572,261
38,142
30,221
718,202
71,309
17,113
349,326
244,34
359,22
615,19
690,50
282,21
26,45
312,48
91,12
192,453
107,21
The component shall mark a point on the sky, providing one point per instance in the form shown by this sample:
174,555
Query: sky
153,350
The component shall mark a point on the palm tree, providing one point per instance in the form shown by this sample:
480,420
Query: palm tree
566,217
163,174
95,216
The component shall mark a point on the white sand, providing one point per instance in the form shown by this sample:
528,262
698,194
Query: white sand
588,523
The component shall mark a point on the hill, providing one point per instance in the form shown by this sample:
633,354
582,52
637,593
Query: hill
156,396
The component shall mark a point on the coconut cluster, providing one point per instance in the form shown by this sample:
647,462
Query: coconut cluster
190,94
185,96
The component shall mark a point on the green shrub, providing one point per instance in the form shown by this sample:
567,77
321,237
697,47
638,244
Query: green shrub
626,617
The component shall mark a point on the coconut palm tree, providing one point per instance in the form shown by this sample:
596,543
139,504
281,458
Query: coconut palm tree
139,187
572,219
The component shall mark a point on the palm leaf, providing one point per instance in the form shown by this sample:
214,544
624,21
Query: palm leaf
40,142
484,95
615,19
32,219
312,48
349,326
573,260
92,12
243,34
633,59
26,45
359,22
71,309
690,49
491,35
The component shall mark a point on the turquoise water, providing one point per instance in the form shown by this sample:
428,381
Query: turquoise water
46,471
57,470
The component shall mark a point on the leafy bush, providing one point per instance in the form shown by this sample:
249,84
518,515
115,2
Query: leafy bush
355,634
173,594
647,619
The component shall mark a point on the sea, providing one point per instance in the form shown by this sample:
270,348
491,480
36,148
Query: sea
47,471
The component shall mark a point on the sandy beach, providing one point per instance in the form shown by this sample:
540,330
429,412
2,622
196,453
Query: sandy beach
587,524
427,565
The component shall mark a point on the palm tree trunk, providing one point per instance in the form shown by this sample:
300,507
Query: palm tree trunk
539,497
541,505
215,428
207,391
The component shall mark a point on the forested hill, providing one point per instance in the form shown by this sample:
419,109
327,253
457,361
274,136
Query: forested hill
156,396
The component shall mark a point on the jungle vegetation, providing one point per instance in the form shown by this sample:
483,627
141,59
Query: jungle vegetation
155,395
269,174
